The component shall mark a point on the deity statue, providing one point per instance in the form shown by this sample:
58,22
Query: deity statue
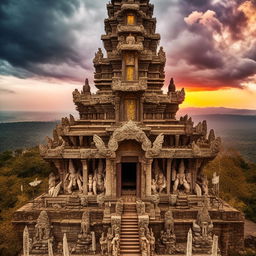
85,224
43,227
98,56
151,238
181,178
145,246
115,245
109,241
54,186
154,187
202,181
160,179
98,179
103,244
90,184
130,39
169,221
73,178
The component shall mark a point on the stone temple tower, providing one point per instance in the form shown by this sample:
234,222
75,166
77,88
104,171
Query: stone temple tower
129,175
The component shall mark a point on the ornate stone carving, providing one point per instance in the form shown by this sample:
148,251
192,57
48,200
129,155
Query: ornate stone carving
202,230
140,207
98,184
100,145
98,57
42,234
119,207
103,244
157,146
162,55
169,221
129,131
49,150
85,238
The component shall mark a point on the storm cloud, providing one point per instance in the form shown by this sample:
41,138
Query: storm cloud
210,44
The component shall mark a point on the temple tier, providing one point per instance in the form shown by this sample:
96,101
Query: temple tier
130,176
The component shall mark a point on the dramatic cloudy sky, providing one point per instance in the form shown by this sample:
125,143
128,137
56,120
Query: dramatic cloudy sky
46,50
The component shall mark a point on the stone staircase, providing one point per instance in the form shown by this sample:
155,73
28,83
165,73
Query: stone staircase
182,202
129,240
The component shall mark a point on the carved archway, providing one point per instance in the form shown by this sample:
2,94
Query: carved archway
129,131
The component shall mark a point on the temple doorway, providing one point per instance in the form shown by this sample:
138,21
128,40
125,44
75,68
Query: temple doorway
129,178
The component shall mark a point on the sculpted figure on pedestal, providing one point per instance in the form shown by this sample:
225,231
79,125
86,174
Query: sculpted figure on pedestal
54,186
73,179
98,180
181,178
43,227
115,245
160,179
85,224
103,244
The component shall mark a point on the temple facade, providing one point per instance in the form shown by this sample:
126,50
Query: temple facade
129,175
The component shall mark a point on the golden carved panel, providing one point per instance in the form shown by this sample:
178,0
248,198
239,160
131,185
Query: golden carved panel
131,109
130,19
129,73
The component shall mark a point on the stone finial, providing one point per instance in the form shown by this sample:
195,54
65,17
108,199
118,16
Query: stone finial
26,242
65,246
215,246
189,243
72,120
86,87
172,86
211,136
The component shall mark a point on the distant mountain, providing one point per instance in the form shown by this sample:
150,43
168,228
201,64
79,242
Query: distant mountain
216,111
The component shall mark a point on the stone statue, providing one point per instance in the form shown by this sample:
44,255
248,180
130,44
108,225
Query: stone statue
115,245
103,244
202,181
98,180
171,87
90,184
130,39
85,238
202,230
74,179
154,187
43,227
161,182
54,187
162,54
151,238
181,178
98,56
169,221
145,246
160,179
109,241
85,224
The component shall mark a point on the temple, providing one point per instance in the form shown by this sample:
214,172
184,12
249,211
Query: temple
129,176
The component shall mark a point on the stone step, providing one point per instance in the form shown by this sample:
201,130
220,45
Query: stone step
130,251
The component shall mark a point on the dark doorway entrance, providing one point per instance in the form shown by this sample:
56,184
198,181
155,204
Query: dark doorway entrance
129,178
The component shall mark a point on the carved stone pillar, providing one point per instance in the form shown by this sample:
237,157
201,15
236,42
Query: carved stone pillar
168,175
148,175
177,140
85,176
109,171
